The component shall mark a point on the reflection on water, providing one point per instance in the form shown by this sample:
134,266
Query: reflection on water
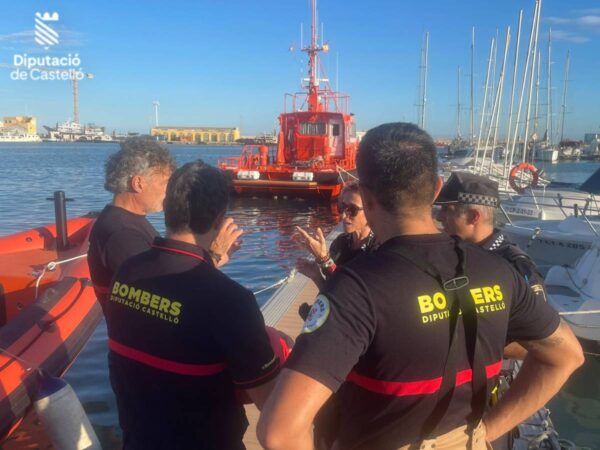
30,173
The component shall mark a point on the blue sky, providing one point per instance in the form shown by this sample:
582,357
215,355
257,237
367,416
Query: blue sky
226,63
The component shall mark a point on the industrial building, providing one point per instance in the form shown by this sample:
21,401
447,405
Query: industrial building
19,124
197,135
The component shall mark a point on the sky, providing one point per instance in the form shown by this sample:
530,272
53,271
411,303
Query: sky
228,63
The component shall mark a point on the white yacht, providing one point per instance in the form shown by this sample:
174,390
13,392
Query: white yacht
555,242
575,294
555,201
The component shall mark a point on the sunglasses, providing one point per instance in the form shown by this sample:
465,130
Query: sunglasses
350,209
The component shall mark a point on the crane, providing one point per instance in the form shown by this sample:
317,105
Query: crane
74,83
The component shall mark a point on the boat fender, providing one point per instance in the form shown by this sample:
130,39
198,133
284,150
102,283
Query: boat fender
282,345
63,417
535,176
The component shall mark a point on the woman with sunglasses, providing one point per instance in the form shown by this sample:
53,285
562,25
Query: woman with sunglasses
356,238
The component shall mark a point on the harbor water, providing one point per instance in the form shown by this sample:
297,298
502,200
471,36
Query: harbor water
31,172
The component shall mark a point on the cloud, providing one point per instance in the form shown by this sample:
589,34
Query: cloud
567,36
67,38
588,21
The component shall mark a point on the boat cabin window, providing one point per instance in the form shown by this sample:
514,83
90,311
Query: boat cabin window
312,128
335,129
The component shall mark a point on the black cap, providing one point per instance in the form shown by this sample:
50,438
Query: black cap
468,188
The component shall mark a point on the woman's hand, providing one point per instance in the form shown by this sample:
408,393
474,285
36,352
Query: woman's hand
226,242
316,244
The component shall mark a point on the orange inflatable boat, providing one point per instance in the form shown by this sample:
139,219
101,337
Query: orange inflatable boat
48,309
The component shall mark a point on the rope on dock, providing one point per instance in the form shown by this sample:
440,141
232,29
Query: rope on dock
277,283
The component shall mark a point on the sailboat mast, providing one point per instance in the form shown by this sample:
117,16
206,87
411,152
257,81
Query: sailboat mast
472,113
564,99
423,80
485,98
458,104
508,159
549,130
531,79
537,94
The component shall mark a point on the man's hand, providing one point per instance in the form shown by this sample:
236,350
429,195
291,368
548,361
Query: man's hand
548,365
316,244
226,242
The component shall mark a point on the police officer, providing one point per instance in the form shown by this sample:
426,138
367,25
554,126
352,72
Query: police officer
182,335
468,203
411,335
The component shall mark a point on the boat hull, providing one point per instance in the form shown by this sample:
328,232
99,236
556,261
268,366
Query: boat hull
44,331
325,185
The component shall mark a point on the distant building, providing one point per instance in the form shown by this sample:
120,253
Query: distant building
206,135
588,138
22,124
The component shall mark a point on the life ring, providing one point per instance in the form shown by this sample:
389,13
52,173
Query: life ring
535,176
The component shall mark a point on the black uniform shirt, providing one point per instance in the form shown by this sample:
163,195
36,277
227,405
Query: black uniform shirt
116,235
182,335
381,324
341,250
521,261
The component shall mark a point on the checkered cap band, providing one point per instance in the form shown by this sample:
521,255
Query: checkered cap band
477,199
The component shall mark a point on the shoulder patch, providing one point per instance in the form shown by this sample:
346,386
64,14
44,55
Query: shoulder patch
318,314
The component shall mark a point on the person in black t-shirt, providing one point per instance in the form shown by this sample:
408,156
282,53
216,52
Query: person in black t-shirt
182,335
380,334
137,175
468,203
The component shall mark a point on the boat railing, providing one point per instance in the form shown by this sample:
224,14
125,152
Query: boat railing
591,204
332,102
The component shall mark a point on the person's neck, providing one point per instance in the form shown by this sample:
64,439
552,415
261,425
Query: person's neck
200,240
481,234
129,202
409,223
359,237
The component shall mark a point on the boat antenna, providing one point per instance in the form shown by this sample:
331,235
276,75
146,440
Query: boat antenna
313,50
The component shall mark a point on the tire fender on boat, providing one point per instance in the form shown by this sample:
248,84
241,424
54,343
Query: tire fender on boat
535,176
63,417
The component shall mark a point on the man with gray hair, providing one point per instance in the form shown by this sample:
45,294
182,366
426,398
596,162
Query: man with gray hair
137,175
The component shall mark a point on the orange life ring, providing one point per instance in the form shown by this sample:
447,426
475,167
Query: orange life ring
535,176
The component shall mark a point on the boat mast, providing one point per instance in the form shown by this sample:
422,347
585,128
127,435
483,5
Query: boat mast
564,99
485,97
423,80
459,137
537,95
549,130
472,127
531,80
314,105
508,158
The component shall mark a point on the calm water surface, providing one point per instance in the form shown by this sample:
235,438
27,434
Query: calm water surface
30,173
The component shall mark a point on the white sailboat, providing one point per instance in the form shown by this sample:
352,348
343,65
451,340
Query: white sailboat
575,294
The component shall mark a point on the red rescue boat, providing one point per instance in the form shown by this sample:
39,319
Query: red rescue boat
316,149
48,310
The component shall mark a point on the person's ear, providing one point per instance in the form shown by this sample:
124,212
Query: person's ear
439,184
474,217
137,184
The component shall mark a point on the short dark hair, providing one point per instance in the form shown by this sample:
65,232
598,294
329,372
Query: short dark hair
398,163
197,194
351,186
137,156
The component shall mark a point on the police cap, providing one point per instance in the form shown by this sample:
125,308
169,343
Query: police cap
468,188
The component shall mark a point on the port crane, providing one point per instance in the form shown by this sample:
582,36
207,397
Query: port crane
74,83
